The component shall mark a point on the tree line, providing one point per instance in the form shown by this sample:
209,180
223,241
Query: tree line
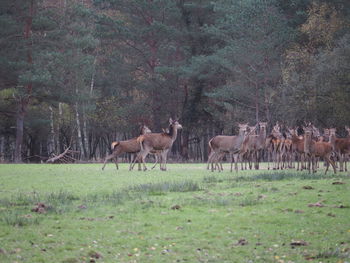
84,73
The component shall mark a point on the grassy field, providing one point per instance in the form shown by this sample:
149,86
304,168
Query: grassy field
186,214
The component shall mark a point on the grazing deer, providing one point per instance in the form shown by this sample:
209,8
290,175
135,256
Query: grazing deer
341,146
315,149
158,142
128,146
222,144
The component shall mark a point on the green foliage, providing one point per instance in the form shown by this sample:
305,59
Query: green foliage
115,64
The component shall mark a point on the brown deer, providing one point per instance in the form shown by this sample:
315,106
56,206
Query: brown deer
128,146
158,142
274,145
246,155
315,149
253,145
347,128
298,148
286,151
222,144
341,146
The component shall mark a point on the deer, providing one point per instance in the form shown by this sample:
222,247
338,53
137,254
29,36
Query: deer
158,142
274,145
297,148
247,151
128,146
347,128
253,145
222,144
315,149
341,146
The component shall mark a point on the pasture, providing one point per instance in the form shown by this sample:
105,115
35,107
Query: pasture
187,214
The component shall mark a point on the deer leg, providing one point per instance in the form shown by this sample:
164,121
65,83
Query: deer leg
346,163
116,163
332,163
210,157
218,160
232,161
163,160
211,160
341,163
156,161
109,157
142,156
133,162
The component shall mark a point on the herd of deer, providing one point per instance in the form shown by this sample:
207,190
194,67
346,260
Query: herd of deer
248,147
283,149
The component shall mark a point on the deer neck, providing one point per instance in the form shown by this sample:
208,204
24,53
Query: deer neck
173,133
307,144
332,140
262,136
240,138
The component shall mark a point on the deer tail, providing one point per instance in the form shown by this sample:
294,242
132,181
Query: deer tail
114,144
210,147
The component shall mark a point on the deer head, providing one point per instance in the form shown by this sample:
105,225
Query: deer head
348,130
145,129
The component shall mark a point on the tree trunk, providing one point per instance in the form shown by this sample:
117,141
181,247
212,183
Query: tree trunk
19,135
2,148
85,135
79,138
23,102
59,135
51,142
256,103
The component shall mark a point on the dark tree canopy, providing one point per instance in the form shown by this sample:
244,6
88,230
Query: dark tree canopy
82,74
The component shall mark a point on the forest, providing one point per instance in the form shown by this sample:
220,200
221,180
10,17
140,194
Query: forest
84,73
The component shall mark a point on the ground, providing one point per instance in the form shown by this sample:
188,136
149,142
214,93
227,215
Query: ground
78,213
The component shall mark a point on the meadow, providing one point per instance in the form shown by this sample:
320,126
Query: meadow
78,213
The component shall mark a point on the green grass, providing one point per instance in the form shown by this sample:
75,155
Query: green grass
187,214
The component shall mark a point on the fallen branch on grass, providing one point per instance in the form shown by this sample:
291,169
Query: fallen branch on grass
65,157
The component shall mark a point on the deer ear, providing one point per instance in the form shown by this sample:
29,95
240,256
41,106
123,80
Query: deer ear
170,120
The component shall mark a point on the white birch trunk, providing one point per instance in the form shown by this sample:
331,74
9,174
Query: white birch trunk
51,143
79,139
2,148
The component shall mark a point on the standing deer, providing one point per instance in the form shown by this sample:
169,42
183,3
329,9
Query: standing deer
347,128
128,146
341,146
222,144
254,145
275,146
298,148
158,142
246,155
317,149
